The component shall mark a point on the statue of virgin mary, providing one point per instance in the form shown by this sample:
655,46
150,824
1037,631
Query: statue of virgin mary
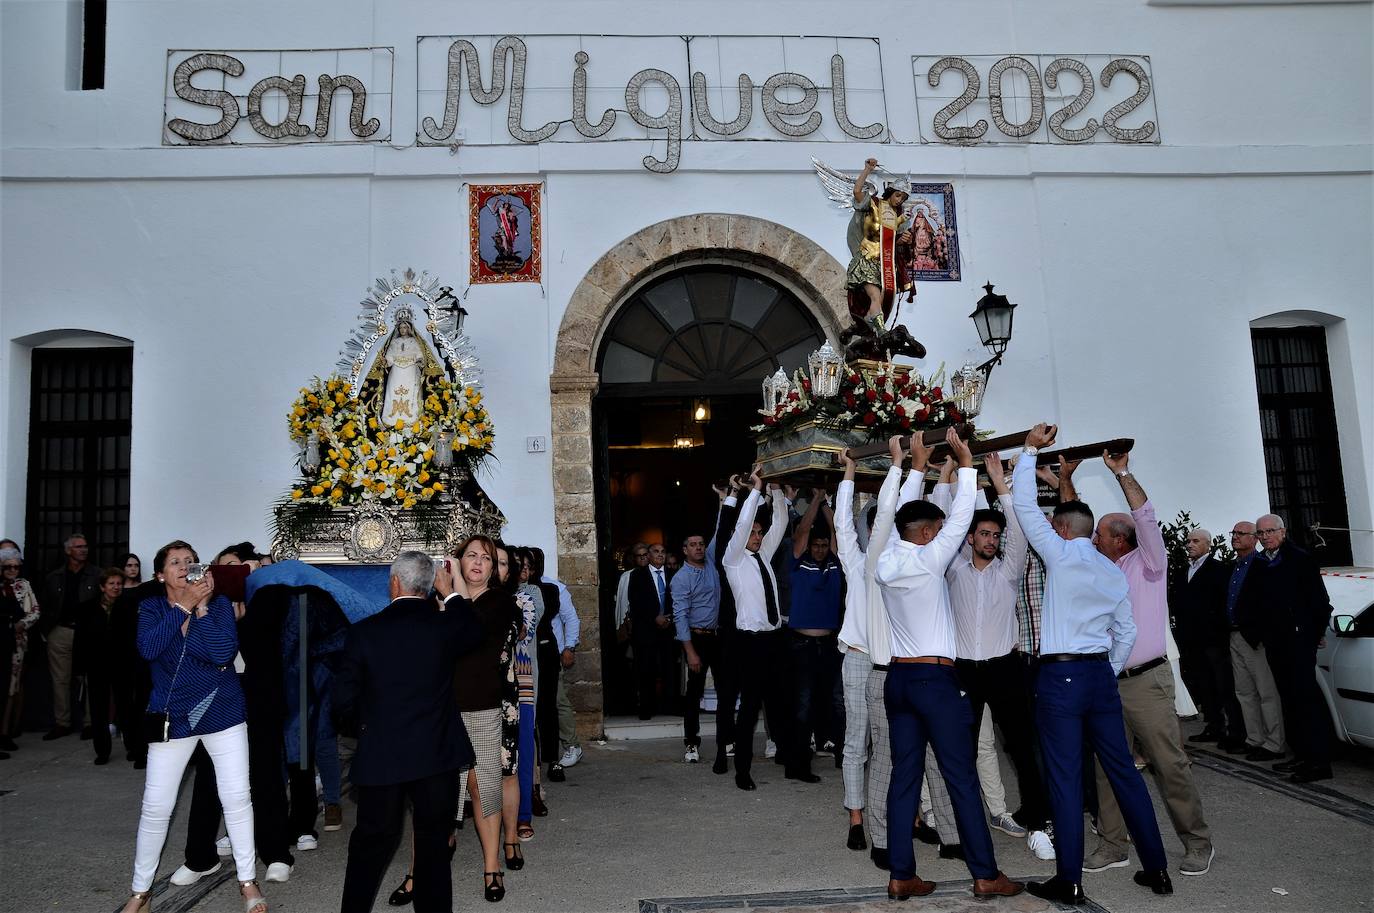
404,359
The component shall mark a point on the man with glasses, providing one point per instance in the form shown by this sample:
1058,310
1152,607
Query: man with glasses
1255,688
1287,601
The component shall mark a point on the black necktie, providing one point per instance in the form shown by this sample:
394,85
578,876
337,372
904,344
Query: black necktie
768,595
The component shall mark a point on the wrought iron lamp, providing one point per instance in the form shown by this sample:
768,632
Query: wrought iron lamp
824,366
454,308
992,317
701,411
775,390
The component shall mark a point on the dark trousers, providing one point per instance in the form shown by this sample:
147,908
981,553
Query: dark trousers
381,814
305,804
707,647
1001,684
546,706
726,675
815,666
98,694
1077,701
647,664
762,681
1223,688
202,825
132,688
925,707
1306,722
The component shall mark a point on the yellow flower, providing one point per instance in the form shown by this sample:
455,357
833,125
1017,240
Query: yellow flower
371,465
424,476
412,450
408,502
469,415
438,486
297,495
372,423
317,490
400,424
336,494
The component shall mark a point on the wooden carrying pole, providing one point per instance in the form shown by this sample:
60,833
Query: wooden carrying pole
936,438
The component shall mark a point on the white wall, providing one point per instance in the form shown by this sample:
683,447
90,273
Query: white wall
236,272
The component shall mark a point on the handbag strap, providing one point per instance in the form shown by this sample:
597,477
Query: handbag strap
168,703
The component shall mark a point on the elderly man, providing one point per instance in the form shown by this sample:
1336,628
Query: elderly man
651,617
394,691
1198,606
1133,541
1255,688
1291,609
64,590
1087,635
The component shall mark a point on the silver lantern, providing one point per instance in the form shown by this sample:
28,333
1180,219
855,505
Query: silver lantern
969,384
825,365
310,453
775,390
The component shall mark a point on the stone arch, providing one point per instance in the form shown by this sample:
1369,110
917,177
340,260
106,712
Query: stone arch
793,259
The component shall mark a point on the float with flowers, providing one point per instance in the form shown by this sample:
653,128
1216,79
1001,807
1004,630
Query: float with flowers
389,446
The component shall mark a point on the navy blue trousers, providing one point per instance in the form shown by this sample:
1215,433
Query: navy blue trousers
1078,701
926,706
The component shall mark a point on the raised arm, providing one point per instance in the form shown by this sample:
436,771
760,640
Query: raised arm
803,531
1038,531
862,179
1120,467
1014,547
915,483
776,529
1148,537
952,533
744,524
886,515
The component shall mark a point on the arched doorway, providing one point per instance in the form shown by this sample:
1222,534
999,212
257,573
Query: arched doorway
681,364
766,248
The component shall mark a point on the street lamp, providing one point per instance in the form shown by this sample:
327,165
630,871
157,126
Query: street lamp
992,317
701,411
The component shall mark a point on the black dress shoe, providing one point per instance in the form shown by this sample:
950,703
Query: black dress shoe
745,782
1287,767
101,760
722,765
1233,746
880,858
401,896
1260,753
1058,890
951,851
1157,881
1311,773
556,774
926,834
856,839
804,776
1206,735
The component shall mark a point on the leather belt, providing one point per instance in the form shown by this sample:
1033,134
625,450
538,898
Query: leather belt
703,630
927,660
1142,668
880,667
1072,657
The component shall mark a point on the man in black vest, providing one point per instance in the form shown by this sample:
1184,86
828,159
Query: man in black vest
393,690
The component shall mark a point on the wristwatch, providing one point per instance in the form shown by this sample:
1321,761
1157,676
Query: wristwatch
1032,450
1123,473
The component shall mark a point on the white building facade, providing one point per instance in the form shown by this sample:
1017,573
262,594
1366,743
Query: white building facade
1214,185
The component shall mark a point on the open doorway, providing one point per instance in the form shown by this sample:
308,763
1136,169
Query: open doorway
681,366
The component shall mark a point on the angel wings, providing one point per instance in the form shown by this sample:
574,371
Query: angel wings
840,186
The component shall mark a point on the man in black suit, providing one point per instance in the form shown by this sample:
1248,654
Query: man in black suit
651,619
394,690
1198,604
1285,600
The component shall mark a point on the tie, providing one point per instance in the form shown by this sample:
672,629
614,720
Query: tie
658,584
768,594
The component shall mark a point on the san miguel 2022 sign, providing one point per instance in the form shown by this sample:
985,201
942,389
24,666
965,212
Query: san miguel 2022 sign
502,90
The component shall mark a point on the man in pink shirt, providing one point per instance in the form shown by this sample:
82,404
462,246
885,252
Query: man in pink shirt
1146,684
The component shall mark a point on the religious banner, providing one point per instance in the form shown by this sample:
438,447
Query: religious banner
504,234
934,233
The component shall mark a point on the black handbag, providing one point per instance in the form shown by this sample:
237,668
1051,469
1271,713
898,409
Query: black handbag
157,725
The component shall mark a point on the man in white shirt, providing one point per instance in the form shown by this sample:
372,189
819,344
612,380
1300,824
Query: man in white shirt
758,620
983,585
1086,634
925,703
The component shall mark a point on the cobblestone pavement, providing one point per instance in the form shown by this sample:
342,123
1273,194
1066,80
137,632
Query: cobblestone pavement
634,828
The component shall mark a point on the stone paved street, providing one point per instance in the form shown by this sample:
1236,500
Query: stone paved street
635,828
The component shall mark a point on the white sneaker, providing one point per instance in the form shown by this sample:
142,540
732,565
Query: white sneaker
1040,844
184,876
222,846
770,749
279,872
571,756
307,842
1006,824
730,750
692,756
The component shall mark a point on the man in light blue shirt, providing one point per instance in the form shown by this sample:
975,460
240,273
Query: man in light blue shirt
696,617
1086,634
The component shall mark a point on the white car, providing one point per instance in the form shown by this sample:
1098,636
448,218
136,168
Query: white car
1345,661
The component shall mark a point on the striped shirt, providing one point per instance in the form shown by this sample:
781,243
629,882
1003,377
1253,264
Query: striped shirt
1028,604
205,696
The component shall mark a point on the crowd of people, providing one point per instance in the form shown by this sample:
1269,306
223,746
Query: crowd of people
876,633
879,637
189,669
